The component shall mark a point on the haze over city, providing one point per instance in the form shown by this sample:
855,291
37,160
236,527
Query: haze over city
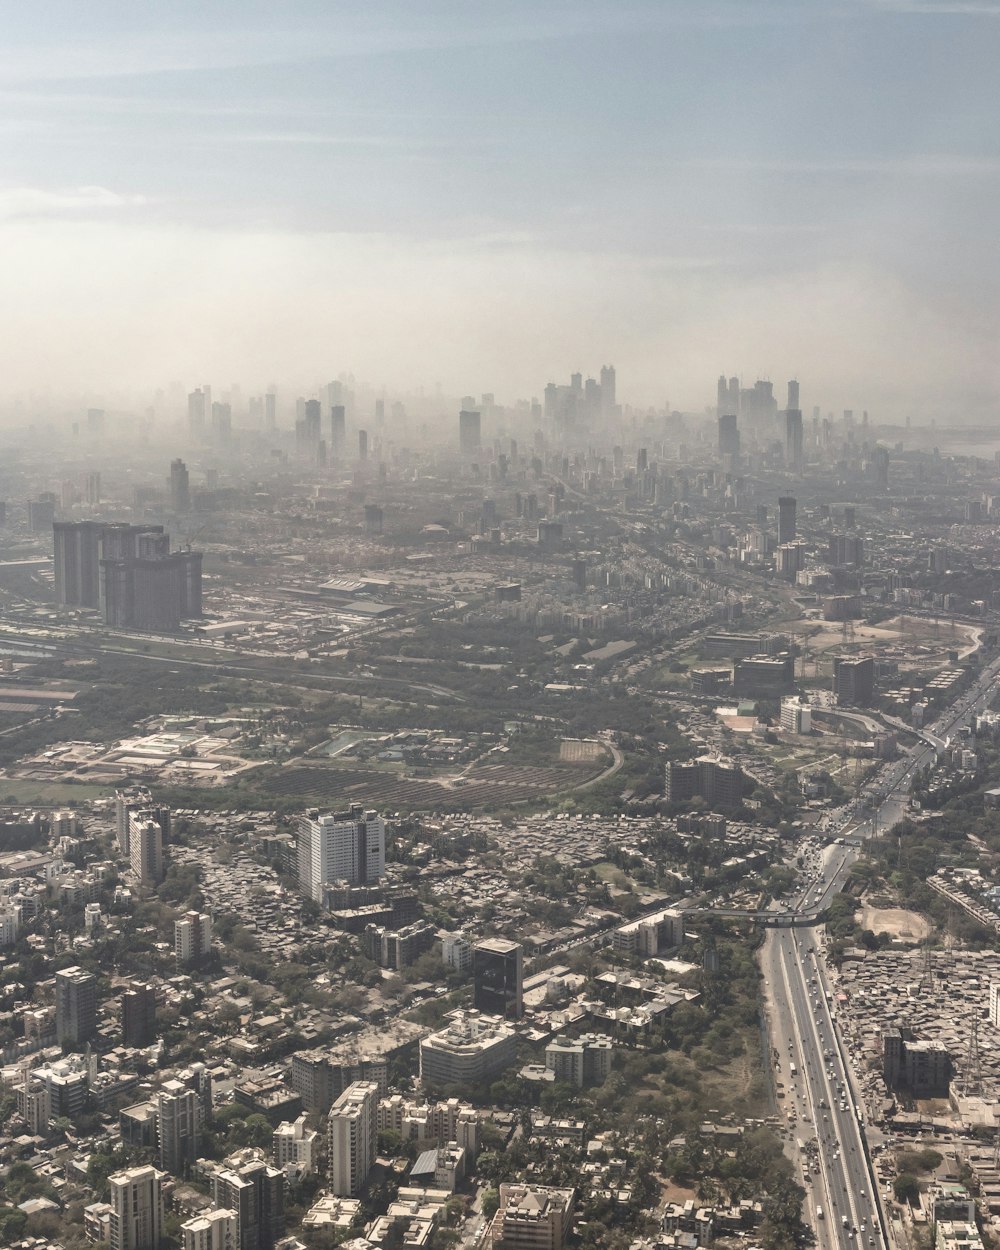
483,197
499,626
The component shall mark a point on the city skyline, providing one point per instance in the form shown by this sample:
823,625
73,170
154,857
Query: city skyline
438,197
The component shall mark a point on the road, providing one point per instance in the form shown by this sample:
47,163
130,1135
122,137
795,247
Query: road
820,1098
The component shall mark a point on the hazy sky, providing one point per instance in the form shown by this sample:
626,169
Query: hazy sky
488,194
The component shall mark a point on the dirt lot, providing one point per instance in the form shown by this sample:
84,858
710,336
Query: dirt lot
903,926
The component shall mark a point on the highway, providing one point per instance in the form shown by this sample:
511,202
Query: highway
819,1099
818,1093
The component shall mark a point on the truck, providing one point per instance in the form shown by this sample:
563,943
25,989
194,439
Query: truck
819,1213
794,1070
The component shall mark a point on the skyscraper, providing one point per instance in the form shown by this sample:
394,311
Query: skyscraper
362,445
343,846
76,1006
352,1134
786,519
136,1209
729,436
497,976
222,422
469,432
608,391
338,430
196,414
128,571
180,494
794,458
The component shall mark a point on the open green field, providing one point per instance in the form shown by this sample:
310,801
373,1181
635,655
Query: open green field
44,793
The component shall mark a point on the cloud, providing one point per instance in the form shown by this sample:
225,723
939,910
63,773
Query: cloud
917,165
943,8
28,203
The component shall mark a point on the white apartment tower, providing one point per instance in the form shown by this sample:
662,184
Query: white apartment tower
352,1133
136,1209
146,851
215,1230
192,936
341,846
295,1145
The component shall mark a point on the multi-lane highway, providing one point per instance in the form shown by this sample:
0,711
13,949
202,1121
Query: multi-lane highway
818,1093
818,1096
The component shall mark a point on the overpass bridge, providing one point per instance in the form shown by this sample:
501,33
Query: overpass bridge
769,919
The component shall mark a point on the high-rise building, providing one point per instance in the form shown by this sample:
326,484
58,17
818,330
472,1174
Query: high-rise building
92,488
854,680
197,412
338,430
9,924
128,572
146,852
294,1144
794,454
137,804
139,1015
456,952
319,1077
846,551
764,676
248,1185
136,1209
352,1135
217,1229
786,519
222,422
180,491
719,782
342,846
469,432
178,1126
729,435
76,548
497,973
270,411
41,513
192,937
580,1061
362,445
76,1006
608,391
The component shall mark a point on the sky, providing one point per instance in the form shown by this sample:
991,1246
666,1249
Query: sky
484,195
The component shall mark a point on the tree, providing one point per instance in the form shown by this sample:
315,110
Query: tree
906,1187
12,1226
490,1203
